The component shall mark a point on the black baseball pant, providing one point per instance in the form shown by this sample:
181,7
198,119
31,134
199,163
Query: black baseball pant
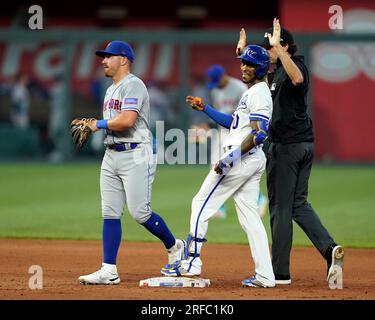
288,172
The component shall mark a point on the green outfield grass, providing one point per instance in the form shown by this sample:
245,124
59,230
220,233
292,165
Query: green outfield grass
63,201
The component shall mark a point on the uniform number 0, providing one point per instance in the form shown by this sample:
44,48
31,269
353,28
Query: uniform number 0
235,121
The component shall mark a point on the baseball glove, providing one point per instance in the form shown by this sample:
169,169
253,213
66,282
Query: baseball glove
80,131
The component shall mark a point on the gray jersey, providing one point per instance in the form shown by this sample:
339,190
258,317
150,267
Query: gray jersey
226,100
129,94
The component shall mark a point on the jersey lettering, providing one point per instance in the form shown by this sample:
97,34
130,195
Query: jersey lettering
236,120
255,103
113,104
243,102
129,94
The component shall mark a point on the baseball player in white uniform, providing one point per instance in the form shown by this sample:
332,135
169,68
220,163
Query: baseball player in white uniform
237,174
127,170
226,91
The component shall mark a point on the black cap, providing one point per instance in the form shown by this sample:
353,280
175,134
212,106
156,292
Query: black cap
285,38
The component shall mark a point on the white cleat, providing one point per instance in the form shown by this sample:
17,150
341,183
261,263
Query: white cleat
256,282
190,268
177,252
102,276
284,282
335,271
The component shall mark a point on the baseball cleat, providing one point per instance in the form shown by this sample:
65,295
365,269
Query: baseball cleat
335,271
102,276
283,280
254,282
189,268
177,252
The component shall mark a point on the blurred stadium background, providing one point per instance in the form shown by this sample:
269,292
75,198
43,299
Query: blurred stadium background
48,189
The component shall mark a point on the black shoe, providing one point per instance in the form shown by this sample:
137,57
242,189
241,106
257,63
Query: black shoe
283,279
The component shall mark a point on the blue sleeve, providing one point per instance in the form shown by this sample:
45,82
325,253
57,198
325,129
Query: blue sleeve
225,120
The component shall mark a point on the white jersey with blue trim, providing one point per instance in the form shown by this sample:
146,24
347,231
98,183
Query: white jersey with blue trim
128,94
256,103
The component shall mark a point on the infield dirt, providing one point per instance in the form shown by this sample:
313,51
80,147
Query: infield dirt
225,265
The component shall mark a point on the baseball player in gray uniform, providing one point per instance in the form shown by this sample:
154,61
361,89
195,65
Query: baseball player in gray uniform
127,170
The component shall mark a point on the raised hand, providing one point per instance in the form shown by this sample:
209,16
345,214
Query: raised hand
275,37
241,42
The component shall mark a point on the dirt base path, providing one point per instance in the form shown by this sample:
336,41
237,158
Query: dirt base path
225,265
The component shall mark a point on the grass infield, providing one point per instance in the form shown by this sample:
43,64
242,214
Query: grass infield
63,202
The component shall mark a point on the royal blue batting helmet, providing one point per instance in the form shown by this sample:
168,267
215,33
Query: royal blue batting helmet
117,48
257,56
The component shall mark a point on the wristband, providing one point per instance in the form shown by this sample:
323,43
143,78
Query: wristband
102,124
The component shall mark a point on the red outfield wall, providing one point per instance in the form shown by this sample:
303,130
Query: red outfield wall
343,77
342,74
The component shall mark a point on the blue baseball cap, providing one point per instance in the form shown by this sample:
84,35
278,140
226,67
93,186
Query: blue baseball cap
214,75
117,48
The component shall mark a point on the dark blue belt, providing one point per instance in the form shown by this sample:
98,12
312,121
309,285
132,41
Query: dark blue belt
122,146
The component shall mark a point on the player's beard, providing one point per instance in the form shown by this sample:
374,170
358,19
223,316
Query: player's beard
108,72
248,79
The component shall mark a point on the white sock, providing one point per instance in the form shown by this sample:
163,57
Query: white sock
173,249
109,267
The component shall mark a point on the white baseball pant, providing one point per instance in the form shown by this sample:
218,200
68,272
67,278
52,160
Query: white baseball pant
242,183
